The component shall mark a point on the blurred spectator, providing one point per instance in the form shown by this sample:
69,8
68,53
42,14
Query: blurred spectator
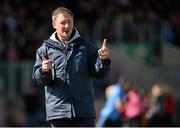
155,113
133,107
12,53
110,114
168,33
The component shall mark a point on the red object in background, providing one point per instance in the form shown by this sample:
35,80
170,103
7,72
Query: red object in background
169,106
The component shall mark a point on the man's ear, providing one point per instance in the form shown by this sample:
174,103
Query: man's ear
53,24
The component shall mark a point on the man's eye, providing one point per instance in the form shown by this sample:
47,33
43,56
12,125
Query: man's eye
63,23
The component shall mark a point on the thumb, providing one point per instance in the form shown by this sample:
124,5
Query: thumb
43,57
104,45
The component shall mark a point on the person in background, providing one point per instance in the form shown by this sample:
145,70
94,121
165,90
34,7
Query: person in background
155,113
133,107
65,65
110,115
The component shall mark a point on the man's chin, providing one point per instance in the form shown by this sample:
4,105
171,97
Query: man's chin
66,38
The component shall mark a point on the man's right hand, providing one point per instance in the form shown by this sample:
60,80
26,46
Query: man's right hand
46,64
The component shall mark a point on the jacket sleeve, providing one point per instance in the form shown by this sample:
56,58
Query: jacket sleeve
98,67
40,77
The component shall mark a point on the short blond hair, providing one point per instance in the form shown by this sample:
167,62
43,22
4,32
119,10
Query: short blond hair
59,10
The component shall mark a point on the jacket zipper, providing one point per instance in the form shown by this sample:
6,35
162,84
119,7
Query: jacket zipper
67,79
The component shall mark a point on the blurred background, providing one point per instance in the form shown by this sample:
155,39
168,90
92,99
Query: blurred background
143,37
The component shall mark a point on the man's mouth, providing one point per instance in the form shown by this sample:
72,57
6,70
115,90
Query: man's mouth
66,31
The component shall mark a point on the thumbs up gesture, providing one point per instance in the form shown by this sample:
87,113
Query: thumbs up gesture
46,64
104,51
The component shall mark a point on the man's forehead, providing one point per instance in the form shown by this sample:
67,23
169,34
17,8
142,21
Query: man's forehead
64,15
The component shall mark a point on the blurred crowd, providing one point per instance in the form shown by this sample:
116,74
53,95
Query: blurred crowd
25,24
131,106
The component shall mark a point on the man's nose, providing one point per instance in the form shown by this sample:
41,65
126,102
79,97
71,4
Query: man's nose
66,25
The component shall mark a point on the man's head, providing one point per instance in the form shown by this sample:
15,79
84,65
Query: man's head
62,21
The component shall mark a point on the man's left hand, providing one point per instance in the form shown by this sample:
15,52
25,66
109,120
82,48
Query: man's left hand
104,51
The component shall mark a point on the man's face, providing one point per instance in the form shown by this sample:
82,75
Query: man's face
63,25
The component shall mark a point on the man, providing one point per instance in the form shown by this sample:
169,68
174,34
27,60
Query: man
66,64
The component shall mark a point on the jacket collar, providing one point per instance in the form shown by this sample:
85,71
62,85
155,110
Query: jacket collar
74,36
55,43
